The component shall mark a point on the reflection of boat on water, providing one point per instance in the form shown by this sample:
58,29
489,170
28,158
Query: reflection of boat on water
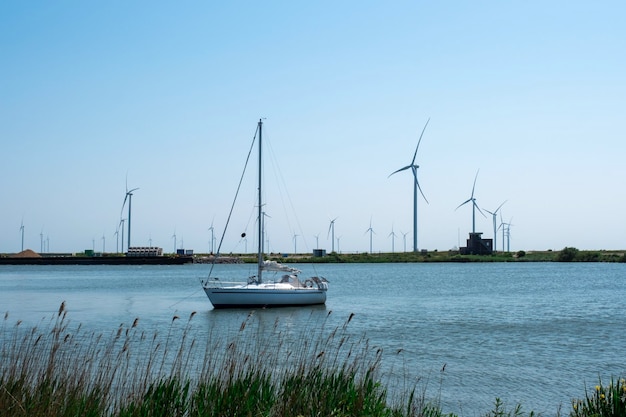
274,285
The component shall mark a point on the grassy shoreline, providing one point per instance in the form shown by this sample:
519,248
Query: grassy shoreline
57,369
567,254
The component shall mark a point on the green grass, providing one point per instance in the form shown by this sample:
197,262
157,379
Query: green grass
57,369
564,255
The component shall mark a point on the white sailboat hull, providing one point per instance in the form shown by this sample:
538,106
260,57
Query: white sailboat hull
264,295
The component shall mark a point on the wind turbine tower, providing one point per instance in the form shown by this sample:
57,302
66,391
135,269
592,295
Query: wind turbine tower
121,227
416,186
212,230
393,240
22,230
494,215
331,229
129,197
404,239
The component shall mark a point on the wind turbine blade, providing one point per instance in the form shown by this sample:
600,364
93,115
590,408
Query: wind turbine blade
419,141
463,203
474,186
123,204
479,210
418,185
401,169
134,189
500,206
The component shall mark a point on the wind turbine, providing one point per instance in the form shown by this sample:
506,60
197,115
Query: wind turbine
129,197
174,237
371,232
404,238
331,227
474,205
22,230
393,240
295,244
416,186
41,239
494,215
121,227
317,241
507,229
212,230
117,241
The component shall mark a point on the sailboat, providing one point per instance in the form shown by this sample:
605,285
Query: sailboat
275,284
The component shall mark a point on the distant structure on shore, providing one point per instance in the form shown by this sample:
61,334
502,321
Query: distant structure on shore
476,245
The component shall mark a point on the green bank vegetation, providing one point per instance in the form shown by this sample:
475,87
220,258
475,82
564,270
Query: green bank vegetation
58,370
567,254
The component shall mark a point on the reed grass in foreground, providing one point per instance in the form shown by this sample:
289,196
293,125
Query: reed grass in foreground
60,370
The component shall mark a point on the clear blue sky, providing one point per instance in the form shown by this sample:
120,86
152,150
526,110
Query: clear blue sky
168,94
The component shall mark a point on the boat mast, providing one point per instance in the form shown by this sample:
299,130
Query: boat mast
260,249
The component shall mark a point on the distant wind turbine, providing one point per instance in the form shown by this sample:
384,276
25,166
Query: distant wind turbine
404,238
393,240
121,227
212,230
317,241
41,240
474,205
129,197
174,237
416,186
506,231
494,215
371,232
331,228
117,241
295,244
22,231
103,243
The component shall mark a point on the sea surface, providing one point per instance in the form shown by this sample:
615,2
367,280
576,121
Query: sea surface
537,334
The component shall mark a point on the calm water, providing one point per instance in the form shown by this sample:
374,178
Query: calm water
531,333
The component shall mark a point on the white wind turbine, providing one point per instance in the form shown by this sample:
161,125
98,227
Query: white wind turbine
393,240
331,229
174,237
416,186
404,238
129,197
494,215
295,244
474,205
117,241
371,232
120,226
212,230
22,231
